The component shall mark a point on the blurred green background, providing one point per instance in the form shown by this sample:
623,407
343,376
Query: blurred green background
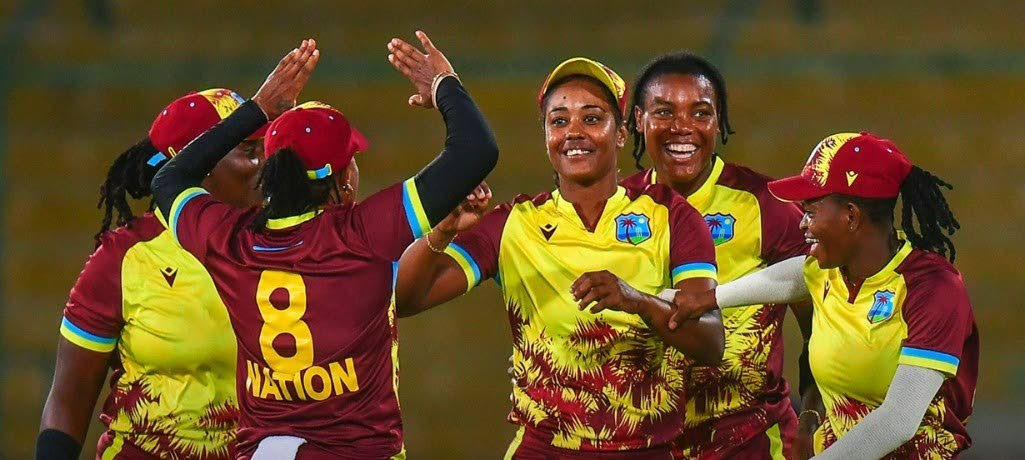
80,81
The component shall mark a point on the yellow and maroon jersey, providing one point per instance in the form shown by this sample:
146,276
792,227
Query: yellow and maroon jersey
310,302
746,395
914,311
154,305
588,381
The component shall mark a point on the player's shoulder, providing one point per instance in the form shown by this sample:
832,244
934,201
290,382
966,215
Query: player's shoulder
660,194
141,229
929,272
524,202
639,179
745,179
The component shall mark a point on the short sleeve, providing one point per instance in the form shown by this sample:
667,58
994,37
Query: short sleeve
691,250
476,251
939,319
93,314
390,220
782,237
196,218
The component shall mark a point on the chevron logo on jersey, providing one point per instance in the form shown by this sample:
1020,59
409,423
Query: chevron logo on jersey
721,227
633,228
882,306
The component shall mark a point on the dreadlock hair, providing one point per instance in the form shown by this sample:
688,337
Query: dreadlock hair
288,191
922,201
678,63
129,175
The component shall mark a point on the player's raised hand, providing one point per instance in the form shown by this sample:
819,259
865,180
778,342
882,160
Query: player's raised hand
282,87
606,291
469,213
421,68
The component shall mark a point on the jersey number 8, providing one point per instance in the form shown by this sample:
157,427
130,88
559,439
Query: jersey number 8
287,320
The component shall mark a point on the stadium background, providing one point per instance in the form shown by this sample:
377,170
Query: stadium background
80,80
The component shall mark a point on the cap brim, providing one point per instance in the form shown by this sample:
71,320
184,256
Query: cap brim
260,133
358,141
589,68
796,188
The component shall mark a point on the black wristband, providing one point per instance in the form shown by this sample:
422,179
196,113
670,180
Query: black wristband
56,445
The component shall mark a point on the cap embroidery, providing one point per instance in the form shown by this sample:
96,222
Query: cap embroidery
851,175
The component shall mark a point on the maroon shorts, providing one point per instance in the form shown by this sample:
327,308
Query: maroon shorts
740,436
528,446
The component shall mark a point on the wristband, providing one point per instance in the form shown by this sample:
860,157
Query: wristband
56,445
437,82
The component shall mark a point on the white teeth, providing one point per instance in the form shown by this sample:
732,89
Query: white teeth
811,240
684,148
575,152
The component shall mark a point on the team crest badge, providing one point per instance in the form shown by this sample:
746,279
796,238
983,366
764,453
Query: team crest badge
882,307
633,228
721,227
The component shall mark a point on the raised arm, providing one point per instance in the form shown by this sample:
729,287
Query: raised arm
470,149
196,160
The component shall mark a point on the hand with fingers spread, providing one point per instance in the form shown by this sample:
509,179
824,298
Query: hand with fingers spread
607,291
468,214
421,69
279,92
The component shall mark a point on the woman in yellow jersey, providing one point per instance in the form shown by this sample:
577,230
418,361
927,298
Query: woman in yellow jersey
741,408
894,345
597,371
148,311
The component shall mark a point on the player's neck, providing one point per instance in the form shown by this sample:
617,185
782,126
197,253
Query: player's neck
874,251
686,187
589,199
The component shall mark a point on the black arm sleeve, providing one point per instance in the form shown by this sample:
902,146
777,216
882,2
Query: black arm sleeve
470,153
190,166
805,378
56,445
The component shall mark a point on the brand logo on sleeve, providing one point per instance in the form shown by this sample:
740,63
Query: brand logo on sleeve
169,275
633,228
882,306
721,227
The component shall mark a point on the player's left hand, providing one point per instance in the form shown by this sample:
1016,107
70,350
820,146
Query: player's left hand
419,68
469,213
606,291
279,92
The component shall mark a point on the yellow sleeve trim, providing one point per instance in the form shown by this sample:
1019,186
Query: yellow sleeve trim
469,266
415,214
179,203
694,270
79,337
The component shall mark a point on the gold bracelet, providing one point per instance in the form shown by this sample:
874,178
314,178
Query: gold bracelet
818,416
431,246
437,82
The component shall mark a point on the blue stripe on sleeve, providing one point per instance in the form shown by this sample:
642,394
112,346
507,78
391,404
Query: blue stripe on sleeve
929,354
85,335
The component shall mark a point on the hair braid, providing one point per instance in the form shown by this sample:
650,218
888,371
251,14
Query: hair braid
288,191
923,201
129,175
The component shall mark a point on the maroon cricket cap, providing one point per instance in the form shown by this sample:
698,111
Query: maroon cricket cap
191,115
320,136
861,165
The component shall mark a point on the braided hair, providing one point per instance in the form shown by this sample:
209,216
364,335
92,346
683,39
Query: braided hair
922,201
679,63
288,191
129,175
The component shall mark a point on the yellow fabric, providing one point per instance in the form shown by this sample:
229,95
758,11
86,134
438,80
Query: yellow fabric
515,444
854,359
286,222
178,352
748,340
775,443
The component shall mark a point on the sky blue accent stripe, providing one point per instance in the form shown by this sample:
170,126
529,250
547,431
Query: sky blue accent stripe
407,205
156,159
394,274
322,172
929,354
177,212
270,249
85,335
693,266
473,263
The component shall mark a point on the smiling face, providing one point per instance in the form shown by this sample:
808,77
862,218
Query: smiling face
582,132
680,124
234,179
829,225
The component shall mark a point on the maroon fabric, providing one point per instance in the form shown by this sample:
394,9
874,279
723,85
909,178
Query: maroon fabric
782,237
534,447
344,257
483,242
690,241
318,134
739,436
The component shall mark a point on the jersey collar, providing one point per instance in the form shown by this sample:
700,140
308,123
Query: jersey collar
703,194
291,221
567,211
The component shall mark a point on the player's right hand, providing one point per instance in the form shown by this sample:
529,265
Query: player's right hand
419,68
689,305
469,213
282,87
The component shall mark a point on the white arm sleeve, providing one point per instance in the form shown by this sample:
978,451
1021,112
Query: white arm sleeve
782,282
895,421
